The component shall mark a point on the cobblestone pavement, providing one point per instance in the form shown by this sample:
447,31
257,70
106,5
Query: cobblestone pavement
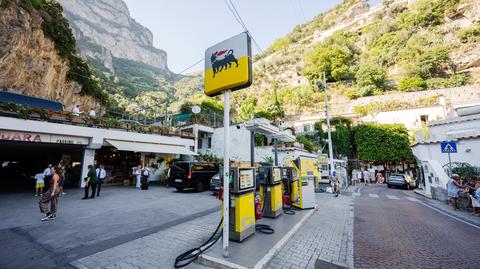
327,235
394,230
86,227
157,250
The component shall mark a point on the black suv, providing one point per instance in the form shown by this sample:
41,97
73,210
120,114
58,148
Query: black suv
197,175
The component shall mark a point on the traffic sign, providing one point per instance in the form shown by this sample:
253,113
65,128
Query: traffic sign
228,65
449,147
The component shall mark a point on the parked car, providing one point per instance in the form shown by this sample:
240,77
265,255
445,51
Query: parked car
216,183
401,180
196,175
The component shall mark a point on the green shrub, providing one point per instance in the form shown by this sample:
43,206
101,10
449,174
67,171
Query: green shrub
370,75
412,84
469,33
457,80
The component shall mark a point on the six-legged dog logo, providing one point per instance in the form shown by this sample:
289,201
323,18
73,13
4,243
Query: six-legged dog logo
219,64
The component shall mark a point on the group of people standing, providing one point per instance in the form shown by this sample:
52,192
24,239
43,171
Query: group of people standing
455,186
141,175
366,175
94,181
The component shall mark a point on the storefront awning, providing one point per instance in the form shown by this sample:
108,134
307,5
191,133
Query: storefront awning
149,147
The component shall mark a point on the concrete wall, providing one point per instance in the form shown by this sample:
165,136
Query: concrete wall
409,117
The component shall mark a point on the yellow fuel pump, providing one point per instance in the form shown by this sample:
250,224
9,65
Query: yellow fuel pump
301,177
271,190
242,203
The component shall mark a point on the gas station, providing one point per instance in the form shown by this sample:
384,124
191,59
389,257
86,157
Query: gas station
262,205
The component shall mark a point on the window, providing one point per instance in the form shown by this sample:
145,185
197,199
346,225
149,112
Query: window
199,142
209,142
307,128
424,118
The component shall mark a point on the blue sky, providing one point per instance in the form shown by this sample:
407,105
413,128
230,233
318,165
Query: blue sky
185,28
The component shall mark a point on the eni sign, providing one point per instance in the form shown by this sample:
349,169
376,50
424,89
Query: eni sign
228,65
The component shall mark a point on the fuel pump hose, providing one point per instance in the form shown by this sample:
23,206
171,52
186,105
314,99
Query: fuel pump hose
289,210
264,228
191,255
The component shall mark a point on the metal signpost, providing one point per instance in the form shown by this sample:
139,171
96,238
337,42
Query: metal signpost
329,130
449,147
228,67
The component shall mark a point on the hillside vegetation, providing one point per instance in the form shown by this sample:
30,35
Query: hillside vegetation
364,52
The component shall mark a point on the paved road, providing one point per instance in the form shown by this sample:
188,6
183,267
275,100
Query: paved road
395,230
86,227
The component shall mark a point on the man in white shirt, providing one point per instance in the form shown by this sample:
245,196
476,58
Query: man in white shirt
92,113
47,173
101,175
76,110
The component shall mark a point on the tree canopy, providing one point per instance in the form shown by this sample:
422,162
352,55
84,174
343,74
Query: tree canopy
382,143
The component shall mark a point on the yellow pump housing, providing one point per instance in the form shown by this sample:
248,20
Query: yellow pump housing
242,204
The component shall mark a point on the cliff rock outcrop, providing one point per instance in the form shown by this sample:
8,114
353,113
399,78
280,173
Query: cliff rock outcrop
29,62
104,28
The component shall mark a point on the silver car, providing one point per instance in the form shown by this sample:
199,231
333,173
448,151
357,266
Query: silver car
401,180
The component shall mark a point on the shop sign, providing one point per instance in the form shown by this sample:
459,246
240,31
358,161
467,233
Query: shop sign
42,138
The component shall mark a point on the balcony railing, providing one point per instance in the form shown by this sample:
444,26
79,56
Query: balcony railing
40,114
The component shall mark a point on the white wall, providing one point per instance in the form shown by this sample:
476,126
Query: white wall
240,147
409,117
468,152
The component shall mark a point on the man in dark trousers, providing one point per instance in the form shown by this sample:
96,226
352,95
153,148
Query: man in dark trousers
101,175
91,182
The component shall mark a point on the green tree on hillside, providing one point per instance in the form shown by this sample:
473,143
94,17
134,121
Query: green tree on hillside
382,143
334,61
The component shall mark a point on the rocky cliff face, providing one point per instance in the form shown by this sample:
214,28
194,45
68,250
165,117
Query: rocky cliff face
29,62
104,29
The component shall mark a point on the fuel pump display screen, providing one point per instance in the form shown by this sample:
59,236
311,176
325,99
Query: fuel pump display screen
277,174
246,178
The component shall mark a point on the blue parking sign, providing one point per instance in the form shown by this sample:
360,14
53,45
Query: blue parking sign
449,147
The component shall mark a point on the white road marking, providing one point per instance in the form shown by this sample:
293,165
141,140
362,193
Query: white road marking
392,197
356,194
411,199
373,195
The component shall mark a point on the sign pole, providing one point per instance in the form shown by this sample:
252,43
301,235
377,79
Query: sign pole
449,165
226,170
329,129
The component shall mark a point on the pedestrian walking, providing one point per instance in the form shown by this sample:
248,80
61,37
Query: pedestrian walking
354,177
49,202
359,176
63,176
47,173
101,175
144,178
137,173
39,184
477,200
90,182
453,187
472,194
366,177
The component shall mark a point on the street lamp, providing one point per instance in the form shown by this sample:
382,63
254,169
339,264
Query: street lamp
329,129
